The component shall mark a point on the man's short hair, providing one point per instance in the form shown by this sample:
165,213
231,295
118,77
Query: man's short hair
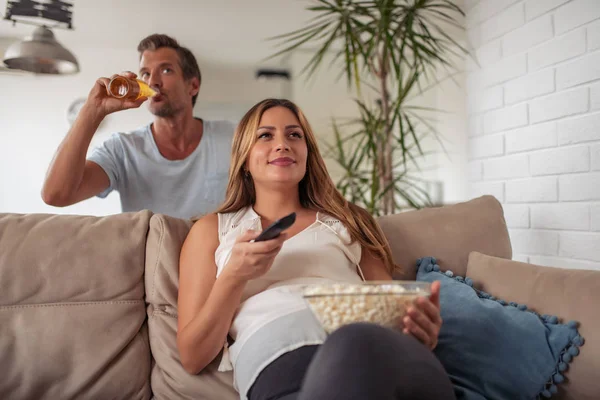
187,61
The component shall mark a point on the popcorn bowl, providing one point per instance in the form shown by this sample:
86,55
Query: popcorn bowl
380,302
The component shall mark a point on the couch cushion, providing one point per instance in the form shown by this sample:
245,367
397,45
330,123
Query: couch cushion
570,294
169,380
493,349
72,312
448,233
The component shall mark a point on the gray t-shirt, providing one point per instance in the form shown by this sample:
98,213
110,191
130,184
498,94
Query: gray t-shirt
181,188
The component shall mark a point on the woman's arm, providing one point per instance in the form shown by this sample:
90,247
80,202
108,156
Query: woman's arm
206,305
373,268
423,319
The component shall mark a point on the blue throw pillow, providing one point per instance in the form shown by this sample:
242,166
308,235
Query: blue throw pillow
494,350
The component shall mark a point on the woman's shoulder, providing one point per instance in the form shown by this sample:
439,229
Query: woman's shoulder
202,235
351,247
211,228
229,221
205,225
331,219
334,223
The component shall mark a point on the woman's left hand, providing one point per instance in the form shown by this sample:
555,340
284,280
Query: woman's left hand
423,319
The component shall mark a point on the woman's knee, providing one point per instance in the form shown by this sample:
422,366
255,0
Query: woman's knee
365,334
360,342
369,344
375,362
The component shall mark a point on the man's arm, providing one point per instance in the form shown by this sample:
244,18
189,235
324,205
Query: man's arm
71,178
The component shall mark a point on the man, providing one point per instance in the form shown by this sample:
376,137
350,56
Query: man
177,165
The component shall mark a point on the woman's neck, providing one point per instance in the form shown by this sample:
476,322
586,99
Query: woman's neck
274,204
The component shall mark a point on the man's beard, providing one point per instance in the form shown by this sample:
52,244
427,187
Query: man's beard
166,111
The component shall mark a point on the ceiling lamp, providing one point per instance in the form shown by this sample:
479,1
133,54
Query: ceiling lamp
40,53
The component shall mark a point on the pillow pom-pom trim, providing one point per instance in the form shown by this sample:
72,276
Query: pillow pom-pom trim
566,356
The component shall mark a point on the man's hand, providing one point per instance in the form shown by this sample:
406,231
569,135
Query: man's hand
103,104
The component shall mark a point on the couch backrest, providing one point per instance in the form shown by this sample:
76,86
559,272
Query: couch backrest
169,379
447,233
72,311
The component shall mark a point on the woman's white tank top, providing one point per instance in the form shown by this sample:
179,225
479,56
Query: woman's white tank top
320,253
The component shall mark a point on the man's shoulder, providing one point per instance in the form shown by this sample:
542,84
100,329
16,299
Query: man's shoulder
139,132
133,136
221,127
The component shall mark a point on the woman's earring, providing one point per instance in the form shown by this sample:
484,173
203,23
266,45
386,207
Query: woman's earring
247,174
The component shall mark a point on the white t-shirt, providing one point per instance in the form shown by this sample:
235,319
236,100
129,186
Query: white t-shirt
180,188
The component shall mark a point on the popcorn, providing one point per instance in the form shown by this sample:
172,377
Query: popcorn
383,303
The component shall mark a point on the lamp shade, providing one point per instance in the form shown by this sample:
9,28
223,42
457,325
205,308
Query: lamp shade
42,54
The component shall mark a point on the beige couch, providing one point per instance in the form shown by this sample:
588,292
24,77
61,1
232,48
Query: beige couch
88,304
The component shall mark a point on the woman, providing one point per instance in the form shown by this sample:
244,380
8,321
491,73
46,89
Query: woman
251,291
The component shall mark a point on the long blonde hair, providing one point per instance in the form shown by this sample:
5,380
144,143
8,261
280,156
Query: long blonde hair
317,190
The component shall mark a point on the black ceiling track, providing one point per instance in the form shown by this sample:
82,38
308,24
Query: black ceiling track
54,10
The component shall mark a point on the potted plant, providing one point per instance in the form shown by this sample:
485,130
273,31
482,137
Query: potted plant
387,50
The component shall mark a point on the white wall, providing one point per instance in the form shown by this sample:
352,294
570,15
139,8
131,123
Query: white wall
534,124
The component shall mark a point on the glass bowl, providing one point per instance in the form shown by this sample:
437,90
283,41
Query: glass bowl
380,302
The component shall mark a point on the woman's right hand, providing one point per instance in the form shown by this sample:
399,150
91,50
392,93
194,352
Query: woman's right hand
250,260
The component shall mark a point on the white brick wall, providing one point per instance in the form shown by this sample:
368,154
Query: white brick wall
486,146
496,189
537,242
490,53
503,22
576,13
593,37
595,210
535,8
559,105
563,216
516,166
488,99
595,94
562,262
483,10
579,187
580,245
562,48
529,86
517,216
578,130
534,32
595,150
532,190
583,70
475,171
560,161
532,137
475,125
534,124
505,118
